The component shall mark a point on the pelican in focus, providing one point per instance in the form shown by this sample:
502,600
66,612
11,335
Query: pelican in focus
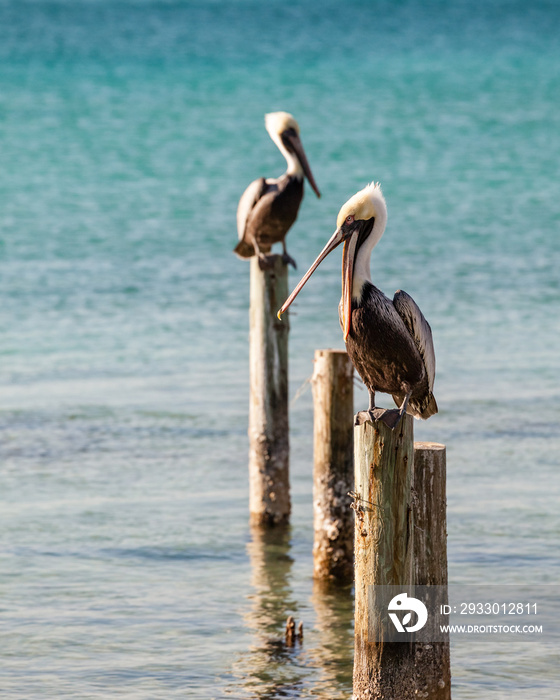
388,341
269,207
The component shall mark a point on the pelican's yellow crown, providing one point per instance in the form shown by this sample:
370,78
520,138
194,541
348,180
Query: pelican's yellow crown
278,122
364,205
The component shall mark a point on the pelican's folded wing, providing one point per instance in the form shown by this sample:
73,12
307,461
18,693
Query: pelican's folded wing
247,202
419,329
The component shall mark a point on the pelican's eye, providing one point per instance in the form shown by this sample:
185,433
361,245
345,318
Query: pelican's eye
350,219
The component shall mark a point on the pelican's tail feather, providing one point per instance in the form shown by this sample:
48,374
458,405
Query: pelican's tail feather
244,250
419,409
431,408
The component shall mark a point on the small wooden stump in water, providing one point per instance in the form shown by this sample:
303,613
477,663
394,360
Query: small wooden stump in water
291,635
333,474
269,447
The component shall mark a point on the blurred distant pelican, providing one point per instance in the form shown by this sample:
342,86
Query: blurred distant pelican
389,342
269,207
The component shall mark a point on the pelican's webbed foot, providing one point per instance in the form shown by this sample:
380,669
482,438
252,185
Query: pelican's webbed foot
288,260
389,416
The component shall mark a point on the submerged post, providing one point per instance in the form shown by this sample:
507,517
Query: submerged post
269,485
333,476
383,555
433,664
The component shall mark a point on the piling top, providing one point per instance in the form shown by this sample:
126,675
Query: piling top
435,446
319,353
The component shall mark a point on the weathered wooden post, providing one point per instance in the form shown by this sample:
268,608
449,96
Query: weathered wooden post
333,474
269,485
383,555
433,664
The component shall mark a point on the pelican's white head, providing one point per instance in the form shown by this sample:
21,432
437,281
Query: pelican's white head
366,204
278,122
284,131
361,221
368,207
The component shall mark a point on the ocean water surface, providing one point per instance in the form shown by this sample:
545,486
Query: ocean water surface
128,131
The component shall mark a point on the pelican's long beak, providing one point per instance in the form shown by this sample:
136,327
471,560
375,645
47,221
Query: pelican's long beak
335,240
348,255
300,153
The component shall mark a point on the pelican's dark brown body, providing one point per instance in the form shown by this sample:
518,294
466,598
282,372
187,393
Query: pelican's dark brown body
274,210
383,351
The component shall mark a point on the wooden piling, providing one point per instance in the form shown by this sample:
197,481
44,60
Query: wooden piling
383,555
269,487
433,665
400,540
333,474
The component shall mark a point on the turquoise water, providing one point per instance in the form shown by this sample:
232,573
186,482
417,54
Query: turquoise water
128,131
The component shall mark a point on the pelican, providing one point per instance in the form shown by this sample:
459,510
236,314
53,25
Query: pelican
269,207
388,341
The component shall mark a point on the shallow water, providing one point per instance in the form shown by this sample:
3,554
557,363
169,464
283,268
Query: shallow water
128,132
